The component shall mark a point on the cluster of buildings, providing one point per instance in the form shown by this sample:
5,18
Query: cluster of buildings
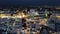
33,20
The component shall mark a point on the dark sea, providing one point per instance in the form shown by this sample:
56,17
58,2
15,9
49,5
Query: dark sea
9,3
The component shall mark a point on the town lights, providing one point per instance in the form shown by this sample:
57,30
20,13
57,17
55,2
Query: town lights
20,15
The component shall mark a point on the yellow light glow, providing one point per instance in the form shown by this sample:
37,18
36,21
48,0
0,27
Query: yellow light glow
58,16
20,15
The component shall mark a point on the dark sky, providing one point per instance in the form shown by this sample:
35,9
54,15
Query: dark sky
29,2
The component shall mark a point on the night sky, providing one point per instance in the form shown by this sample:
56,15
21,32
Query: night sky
29,2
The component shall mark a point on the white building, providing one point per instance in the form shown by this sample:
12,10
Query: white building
33,12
